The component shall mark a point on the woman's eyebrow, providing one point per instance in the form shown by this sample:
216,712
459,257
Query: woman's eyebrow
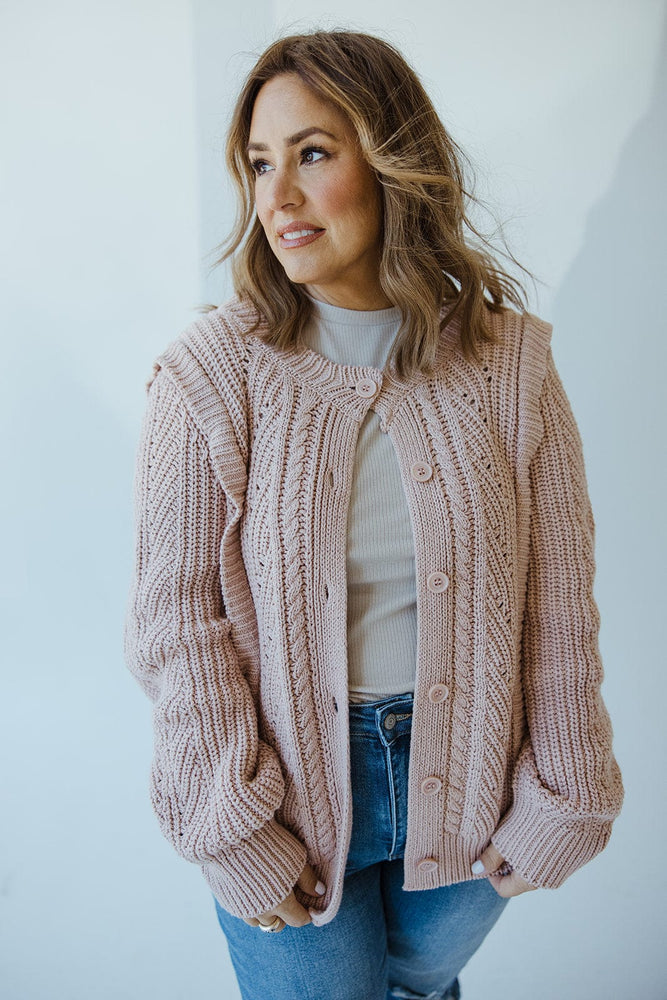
292,140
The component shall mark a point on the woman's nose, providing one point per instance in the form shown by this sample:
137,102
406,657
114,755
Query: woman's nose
285,191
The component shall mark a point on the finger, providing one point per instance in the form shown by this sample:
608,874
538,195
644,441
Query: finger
253,921
292,912
510,885
269,921
489,861
310,883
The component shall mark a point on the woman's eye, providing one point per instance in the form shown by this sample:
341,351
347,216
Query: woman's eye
309,155
259,167
312,154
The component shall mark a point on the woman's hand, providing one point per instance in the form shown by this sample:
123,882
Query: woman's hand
290,909
505,885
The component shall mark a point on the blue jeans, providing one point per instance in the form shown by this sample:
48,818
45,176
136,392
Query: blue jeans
383,943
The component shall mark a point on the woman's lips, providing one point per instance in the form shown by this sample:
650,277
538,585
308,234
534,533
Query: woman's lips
300,237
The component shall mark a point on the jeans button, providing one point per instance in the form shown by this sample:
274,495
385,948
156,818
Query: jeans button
390,721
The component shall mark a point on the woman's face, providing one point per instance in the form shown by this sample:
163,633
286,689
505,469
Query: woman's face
316,197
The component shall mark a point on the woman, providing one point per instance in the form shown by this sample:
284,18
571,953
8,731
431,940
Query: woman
363,603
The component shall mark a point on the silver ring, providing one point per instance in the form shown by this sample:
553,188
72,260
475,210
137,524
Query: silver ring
275,925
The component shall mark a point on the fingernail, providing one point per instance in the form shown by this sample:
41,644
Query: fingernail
320,888
478,868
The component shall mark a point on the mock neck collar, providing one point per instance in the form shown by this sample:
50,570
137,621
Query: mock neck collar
356,317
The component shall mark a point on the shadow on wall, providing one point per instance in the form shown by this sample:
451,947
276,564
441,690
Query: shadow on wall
611,296
611,306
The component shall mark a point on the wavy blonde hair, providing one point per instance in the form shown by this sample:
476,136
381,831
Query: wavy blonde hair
428,257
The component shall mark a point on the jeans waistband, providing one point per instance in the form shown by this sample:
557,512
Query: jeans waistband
388,719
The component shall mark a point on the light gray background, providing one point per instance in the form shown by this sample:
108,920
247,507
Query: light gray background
113,194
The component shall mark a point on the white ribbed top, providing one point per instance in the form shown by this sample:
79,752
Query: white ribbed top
381,589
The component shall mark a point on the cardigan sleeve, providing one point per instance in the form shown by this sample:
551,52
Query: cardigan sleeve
567,787
214,785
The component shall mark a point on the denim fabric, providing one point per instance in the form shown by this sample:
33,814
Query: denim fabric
384,943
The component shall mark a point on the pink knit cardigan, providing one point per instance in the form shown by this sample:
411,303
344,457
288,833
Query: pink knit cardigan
237,621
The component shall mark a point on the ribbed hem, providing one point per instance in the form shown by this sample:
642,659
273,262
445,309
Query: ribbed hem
259,873
544,850
455,856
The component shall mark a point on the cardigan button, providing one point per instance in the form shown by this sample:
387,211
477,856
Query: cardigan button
366,388
428,865
438,692
437,583
430,786
421,471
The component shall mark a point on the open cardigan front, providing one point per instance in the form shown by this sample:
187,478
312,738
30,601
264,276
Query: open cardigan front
237,622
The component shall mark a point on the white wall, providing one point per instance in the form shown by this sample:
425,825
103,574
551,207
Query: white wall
112,196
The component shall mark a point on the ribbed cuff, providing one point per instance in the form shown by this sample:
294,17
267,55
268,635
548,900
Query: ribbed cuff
258,873
546,850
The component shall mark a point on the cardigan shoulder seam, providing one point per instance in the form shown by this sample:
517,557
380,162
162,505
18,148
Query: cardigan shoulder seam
207,365
535,352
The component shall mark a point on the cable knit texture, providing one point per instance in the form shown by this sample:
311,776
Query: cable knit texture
237,620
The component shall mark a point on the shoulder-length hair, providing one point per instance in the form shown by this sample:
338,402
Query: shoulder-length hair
427,261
